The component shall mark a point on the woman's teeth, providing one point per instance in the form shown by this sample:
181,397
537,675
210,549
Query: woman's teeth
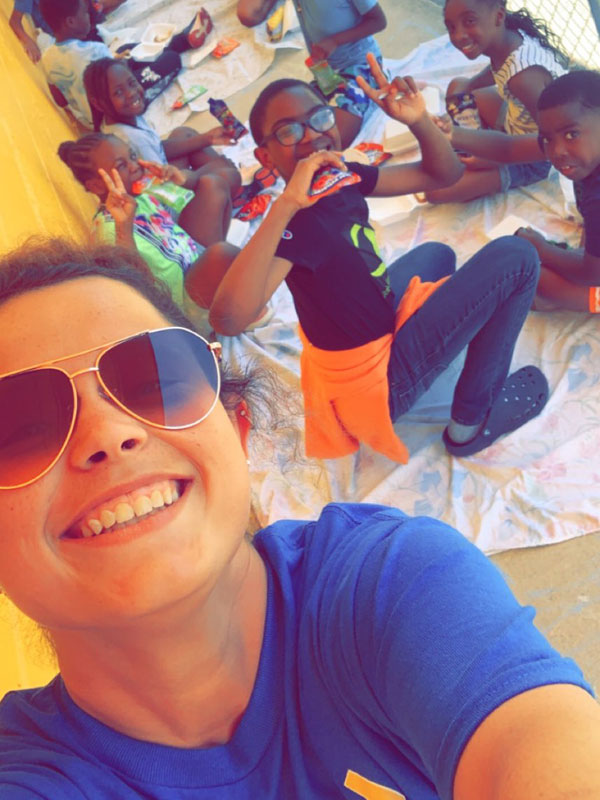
124,512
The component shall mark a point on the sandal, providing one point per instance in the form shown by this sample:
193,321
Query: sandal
522,398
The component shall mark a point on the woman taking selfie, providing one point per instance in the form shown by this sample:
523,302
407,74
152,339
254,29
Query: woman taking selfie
365,654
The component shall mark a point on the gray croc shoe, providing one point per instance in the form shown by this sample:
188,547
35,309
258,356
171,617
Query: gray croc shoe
523,396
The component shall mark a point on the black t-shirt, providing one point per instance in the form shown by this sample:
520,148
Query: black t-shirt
587,194
339,281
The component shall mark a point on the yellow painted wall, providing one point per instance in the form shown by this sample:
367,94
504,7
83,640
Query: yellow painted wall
37,195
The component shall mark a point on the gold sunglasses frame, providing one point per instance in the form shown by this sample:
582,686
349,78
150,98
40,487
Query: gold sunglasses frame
213,347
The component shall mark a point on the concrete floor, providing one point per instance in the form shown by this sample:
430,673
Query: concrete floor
561,581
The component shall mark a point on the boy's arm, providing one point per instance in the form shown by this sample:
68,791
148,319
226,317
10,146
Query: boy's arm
16,24
256,271
497,146
543,743
577,266
439,165
371,22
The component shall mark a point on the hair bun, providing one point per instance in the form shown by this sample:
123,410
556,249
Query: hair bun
64,151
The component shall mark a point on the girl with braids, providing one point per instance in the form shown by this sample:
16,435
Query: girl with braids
179,235
118,104
524,59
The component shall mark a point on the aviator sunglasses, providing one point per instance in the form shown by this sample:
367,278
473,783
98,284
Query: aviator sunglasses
321,119
167,378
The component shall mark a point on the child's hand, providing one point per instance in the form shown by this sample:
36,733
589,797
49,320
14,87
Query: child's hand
536,239
119,204
164,172
400,99
297,188
32,50
444,123
220,136
323,49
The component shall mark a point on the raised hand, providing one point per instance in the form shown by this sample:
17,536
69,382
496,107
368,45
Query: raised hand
297,188
400,99
164,172
119,204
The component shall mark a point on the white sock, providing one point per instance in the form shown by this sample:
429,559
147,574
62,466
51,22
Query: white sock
462,433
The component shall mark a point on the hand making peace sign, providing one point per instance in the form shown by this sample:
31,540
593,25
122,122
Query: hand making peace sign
119,204
400,99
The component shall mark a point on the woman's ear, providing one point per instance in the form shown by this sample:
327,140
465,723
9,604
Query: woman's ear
243,422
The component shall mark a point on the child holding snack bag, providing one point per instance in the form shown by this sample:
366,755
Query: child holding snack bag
338,40
375,337
524,58
152,209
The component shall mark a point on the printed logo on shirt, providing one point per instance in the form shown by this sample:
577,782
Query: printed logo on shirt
369,790
363,239
287,234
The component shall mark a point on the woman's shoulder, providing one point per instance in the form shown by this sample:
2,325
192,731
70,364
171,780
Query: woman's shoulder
359,539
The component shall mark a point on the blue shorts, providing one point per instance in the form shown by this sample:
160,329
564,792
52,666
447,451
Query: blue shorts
351,97
514,175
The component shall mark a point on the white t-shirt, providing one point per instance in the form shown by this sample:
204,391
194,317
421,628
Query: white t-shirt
518,120
64,64
142,136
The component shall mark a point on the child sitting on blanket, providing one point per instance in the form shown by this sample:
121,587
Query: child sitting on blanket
32,9
522,63
376,337
342,34
569,120
65,61
178,234
118,104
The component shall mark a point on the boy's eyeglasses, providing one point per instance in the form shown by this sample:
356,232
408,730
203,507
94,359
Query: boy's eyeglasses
290,133
167,378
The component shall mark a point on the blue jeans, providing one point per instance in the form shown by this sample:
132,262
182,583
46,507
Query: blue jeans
481,307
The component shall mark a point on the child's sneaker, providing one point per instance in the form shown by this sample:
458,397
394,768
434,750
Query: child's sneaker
199,29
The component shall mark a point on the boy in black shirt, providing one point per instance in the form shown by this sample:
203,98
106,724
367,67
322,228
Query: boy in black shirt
376,337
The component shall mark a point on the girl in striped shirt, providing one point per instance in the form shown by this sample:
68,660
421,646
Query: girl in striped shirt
523,61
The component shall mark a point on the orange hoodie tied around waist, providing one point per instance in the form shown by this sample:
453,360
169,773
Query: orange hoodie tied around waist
346,392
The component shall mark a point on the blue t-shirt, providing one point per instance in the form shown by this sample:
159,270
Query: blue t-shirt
322,18
32,7
587,195
388,640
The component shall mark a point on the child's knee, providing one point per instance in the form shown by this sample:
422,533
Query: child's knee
456,86
181,133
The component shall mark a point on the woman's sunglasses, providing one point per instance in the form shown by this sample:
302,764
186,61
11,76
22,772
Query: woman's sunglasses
322,119
167,378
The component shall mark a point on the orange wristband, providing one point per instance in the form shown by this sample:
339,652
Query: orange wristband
594,299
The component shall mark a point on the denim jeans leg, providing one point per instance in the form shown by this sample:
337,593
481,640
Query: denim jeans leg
481,307
430,261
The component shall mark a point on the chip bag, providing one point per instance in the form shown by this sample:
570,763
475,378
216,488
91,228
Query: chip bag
330,179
